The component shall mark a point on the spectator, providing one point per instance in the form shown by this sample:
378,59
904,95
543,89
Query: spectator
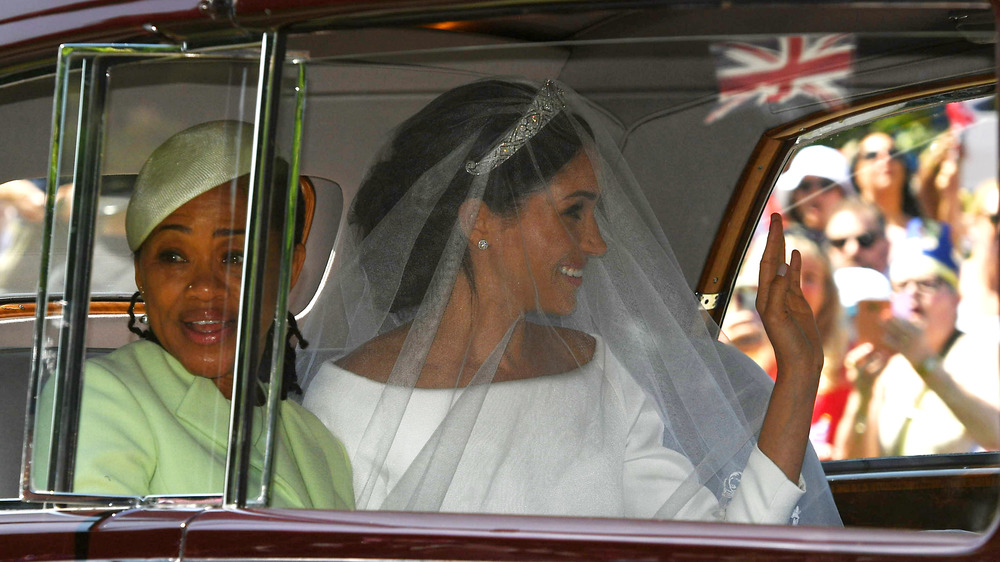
741,325
866,290
979,311
816,181
820,292
883,178
939,392
856,234
937,183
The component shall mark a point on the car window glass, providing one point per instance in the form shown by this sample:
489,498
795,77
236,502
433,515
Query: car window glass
874,265
27,106
188,263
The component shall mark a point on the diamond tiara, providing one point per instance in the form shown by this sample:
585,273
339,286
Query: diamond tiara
546,105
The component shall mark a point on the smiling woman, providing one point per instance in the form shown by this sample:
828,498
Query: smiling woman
188,272
520,340
154,417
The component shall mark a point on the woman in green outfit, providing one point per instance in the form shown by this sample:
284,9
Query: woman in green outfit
155,413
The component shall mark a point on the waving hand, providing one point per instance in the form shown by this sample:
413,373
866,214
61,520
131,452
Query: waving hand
791,327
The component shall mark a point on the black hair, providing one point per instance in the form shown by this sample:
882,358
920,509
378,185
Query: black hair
463,124
293,338
910,205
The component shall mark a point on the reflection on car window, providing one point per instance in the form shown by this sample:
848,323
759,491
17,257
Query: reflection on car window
22,208
896,224
22,212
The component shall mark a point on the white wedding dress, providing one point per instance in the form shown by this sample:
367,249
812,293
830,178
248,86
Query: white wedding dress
584,443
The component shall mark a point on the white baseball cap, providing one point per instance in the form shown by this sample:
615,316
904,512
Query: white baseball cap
856,284
815,160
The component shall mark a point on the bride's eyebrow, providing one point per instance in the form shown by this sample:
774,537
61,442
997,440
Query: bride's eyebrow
582,193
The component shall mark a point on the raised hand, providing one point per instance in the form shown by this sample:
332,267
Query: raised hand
790,326
907,338
783,310
864,364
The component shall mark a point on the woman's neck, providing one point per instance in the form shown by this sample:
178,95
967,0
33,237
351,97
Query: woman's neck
890,201
473,326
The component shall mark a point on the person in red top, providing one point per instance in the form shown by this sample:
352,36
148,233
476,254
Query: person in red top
820,292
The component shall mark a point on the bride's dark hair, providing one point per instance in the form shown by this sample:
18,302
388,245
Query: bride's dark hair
461,125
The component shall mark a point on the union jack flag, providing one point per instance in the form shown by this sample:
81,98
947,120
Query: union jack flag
776,70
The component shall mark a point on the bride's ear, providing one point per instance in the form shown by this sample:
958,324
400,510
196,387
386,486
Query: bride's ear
474,218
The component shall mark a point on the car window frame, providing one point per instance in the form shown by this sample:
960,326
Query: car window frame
773,152
238,491
975,470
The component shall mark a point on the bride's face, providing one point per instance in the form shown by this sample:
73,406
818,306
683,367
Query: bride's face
555,234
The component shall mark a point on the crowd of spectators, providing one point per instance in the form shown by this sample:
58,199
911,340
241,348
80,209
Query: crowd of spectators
899,251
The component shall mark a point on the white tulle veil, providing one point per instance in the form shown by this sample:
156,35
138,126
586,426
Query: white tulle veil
409,244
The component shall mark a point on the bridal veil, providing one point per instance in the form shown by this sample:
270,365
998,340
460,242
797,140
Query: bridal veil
618,308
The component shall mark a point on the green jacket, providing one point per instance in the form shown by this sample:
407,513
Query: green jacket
149,427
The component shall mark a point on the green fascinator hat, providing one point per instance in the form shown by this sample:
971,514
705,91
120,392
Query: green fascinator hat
187,165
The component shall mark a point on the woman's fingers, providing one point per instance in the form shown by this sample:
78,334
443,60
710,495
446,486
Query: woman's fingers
775,302
783,310
772,262
794,273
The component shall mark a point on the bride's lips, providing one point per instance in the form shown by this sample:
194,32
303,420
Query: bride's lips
572,273
207,328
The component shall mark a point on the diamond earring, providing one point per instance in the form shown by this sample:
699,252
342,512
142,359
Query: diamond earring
483,244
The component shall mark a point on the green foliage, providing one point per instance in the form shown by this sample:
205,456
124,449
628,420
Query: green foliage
913,130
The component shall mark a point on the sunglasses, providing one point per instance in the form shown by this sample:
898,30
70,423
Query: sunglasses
821,184
876,154
866,240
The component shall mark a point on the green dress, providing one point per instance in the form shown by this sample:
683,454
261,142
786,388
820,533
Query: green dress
149,427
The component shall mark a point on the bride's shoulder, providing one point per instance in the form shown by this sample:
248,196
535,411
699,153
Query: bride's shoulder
375,358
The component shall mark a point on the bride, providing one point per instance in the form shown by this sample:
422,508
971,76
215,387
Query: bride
518,338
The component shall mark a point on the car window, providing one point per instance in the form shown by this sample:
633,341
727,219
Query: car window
889,341
882,213
27,106
138,403
138,105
